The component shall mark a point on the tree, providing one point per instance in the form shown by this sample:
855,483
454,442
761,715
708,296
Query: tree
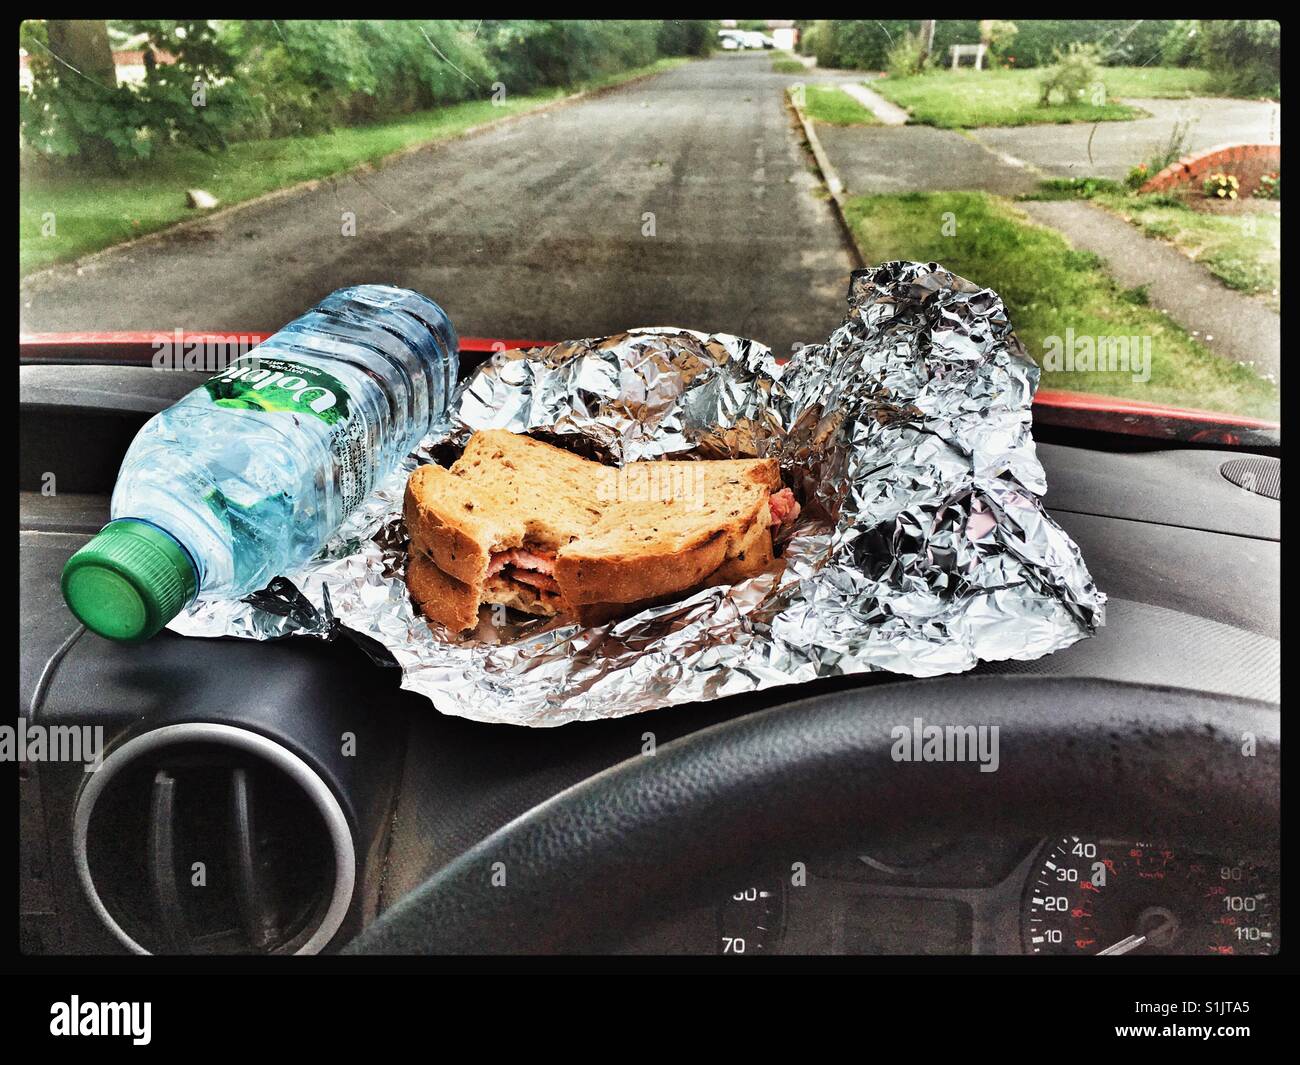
927,40
83,45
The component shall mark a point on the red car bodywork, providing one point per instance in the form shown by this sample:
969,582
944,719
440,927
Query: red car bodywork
1075,410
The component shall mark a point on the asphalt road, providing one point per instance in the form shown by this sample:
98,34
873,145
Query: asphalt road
534,229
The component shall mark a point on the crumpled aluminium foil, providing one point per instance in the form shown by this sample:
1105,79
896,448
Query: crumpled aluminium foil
923,546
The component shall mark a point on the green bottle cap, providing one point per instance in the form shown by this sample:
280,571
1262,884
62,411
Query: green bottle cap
129,581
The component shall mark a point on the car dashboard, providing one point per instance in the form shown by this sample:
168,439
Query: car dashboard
1189,558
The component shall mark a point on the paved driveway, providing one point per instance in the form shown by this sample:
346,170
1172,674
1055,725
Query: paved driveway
1063,151
534,229
892,159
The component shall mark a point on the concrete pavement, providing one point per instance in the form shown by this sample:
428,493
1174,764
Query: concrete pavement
889,114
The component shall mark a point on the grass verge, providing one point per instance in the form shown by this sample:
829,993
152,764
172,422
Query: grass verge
1049,288
785,63
1242,248
834,107
956,99
1243,251
92,211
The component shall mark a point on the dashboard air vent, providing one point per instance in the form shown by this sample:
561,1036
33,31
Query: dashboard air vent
210,839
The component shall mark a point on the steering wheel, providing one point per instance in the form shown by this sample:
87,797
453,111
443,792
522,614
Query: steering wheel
581,871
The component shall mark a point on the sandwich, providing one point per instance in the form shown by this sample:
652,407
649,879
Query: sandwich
520,523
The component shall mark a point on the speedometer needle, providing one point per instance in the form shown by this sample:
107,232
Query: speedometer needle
1124,945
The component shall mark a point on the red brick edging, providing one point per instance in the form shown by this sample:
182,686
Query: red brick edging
1247,161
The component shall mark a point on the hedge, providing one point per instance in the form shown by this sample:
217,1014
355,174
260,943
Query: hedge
264,78
862,44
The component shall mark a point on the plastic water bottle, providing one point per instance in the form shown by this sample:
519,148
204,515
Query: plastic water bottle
250,473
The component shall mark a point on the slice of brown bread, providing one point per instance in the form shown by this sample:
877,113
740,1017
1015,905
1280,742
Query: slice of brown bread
618,536
504,491
749,563
441,598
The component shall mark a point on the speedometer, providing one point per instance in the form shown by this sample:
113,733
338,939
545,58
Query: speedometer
1101,896
752,919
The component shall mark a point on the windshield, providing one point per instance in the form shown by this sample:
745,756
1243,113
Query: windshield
1116,182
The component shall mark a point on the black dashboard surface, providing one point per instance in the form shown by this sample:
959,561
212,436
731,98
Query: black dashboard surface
1189,607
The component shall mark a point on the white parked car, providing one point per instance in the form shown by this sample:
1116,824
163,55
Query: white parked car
734,40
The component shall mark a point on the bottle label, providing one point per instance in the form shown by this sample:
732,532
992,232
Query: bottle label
283,386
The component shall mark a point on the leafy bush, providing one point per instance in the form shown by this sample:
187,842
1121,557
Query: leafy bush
1120,42
191,100
1173,149
682,36
262,78
808,37
906,57
1181,46
65,116
1270,186
1245,53
309,76
826,45
1139,175
999,35
1072,75
533,54
865,44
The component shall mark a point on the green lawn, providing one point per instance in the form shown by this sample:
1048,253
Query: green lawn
835,107
1050,288
963,98
785,63
94,211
